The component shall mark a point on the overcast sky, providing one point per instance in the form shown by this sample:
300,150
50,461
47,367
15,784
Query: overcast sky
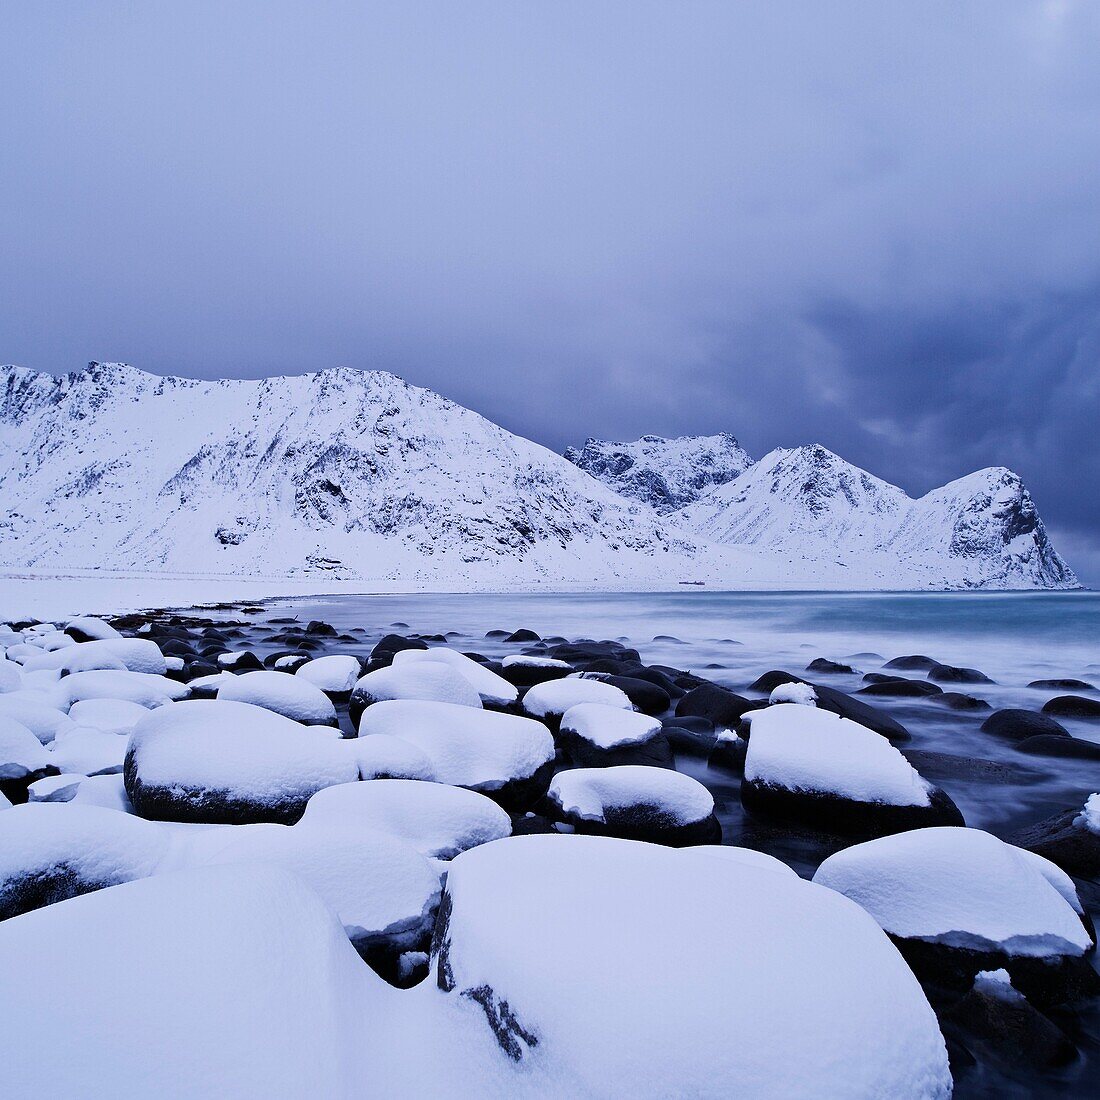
872,225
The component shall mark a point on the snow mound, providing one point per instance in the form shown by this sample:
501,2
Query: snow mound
11,677
381,756
36,711
623,997
224,762
88,752
137,687
236,979
598,794
525,660
960,888
88,629
50,851
131,654
431,681
20,751
109,715
553,698
801,748
335,674
290,696
54,788
748,857
609,727
794,692
493,689
502,755
1089,817
437,819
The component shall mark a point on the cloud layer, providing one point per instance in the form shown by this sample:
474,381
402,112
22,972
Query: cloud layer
874,226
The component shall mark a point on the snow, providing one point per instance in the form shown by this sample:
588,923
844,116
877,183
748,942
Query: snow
88,751
240,749
815,998
381,756
746,856
433,681
20,751
132,654
35,711
492,688
803,748
136,687
230,980
282,693
4,803
555,697
998,985
373,882
525,660
592,792
108,715
609,727
336,673
959,887
1089,817
54,788
108,791
437,819
466,747
11,678
794,692
95,629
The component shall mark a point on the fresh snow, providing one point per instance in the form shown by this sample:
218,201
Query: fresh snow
794,692
20,751
88,751
609,727
434,681
336,674
492,689
132,654
108,715
959,887
290,696
1090,815
136,687
592,793
804,748
555,697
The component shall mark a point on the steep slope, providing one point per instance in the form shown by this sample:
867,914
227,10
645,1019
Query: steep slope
981,531
664,473
351,471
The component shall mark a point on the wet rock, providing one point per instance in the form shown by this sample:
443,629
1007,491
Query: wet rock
822,664
1064,839
646,697
321,629
902,689
916,662
955,674
523,635
691,735
1059,685
717,704
954,700
1016,724
1073,706
1072,747
394,643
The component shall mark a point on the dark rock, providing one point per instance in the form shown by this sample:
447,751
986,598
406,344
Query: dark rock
394,643
246,662
499,635
525,676
646,822
822,664
693,736
953,674
1016,724
901,689
865,658
954,700
721,706
729,753
586,650
646,697
881,678
668,638
914,662
321,628
1073,706
14,789
1071,747
1060,839
523,635
971,769
832,813
655,752
769,681
1062,685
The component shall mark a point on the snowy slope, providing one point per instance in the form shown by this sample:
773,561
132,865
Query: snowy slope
664,473
980,531
355,473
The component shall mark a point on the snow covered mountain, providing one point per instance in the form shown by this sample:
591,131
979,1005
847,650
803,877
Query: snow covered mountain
664,473
980,531
358,475
347,471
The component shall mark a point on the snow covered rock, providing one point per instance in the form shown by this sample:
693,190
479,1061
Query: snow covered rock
526,670
382,756
494,690
88,752
437,819
623,1003
221,762
382,889
550,700
50,851
11,677
794,692
1070,839
287,695
233,978
597,735
54,788
132,654
136,687
432,681
958,901
335,675
36,711
87,629
636,803
504,756
23,760
663,473
816,768
109,715
745,856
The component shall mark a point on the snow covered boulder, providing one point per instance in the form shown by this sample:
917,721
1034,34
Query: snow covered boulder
526,670
431,681
11,676
109,715
382,889
232,979
36,711
1070,839
504,756
132,654
808,998
220,762
437,819
290,696
50,851
636,803
334,675
598,736
958,901
549,701
815,768
494,690
23,760
382,756
88,752
142,688
87,629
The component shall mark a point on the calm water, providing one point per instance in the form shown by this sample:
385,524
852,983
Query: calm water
732,638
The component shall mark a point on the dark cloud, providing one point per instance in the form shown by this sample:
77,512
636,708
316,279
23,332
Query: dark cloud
870,225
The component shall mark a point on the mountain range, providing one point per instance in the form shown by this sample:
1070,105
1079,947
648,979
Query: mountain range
360,475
